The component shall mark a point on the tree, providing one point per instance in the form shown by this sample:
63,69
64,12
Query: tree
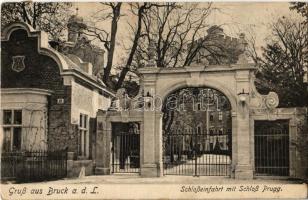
302,8
109,37
171,26
48,17
283,62
178,32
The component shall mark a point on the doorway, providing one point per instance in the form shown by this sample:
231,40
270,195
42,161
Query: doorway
125,148
272,148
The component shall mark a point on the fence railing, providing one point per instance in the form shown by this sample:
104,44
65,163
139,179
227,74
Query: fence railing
11,162
34,165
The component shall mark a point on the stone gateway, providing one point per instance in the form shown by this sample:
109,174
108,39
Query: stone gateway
247,108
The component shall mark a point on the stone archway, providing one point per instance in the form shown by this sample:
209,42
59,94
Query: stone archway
230,80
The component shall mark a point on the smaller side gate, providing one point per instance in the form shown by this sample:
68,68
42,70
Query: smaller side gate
272,148
34,166
125,152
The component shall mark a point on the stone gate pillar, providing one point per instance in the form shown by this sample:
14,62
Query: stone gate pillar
159,142
148,165
150,144
243,167
103,138
151,147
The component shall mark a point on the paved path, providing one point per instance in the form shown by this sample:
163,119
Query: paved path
135,179
208,164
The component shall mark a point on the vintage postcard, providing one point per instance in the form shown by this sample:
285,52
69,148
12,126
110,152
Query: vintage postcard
154,100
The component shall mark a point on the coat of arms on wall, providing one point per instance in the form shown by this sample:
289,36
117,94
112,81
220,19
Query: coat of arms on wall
18,64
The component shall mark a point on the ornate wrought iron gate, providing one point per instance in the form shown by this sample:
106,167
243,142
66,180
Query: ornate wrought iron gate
125,152
197,154
197,138
272,148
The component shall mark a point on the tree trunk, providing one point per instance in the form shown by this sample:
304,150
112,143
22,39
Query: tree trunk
114,27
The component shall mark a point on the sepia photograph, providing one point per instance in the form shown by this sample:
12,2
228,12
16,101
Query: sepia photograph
154,100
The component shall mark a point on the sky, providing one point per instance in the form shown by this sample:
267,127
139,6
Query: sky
235,17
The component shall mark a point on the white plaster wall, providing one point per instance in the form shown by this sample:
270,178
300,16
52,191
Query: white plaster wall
34,116
86,101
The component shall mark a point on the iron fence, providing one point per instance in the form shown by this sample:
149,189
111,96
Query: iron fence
11,162
34,166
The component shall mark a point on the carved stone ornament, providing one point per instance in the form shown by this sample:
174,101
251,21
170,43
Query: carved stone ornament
271,100
265,105
122,100
18,64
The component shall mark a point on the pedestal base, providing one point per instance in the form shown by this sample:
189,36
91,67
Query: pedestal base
243,172
149,170
102,171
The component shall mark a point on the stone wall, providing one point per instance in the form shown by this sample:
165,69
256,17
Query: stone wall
62,134
75,167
